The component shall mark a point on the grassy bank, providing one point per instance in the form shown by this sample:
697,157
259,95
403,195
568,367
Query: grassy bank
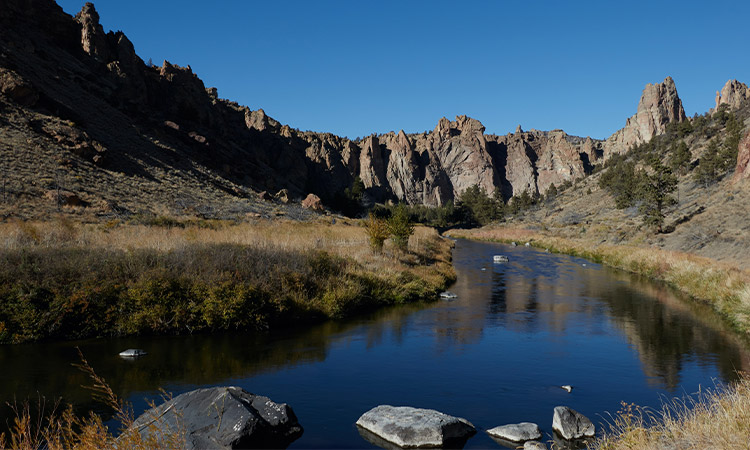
64,280
715,419
710,419
725,288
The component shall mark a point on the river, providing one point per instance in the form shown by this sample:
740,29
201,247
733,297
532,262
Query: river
496,354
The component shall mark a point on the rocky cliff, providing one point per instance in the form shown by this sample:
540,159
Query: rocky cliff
92,98
733,94
659,106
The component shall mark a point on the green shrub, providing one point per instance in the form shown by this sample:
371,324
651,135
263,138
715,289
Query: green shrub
377,232
400,227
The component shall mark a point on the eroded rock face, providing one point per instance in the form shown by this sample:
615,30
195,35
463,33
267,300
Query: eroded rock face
222,418
742,171
93,37
733,94
409,427
659,106
571,424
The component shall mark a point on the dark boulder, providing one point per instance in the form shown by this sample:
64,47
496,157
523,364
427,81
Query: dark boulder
222,418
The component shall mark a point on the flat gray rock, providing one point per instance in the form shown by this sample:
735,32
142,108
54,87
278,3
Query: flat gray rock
571,424
222,418
409,427
517,432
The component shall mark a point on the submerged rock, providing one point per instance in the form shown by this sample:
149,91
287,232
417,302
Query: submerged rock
409,427
448,295
221,418
518,432
571,424
133,353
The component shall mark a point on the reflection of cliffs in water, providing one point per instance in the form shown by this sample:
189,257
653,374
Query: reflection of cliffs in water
668,331
538,290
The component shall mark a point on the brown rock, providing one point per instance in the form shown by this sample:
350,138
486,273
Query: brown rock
16,88
742,171
260,121
64,198
732,94
659,106
264,195
313,202
283,196
93,37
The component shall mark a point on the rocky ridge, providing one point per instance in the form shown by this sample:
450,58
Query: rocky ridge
84,91
659,106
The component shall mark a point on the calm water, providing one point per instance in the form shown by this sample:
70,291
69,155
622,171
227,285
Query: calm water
494,355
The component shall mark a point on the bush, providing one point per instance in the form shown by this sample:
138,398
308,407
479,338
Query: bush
400,227
377,232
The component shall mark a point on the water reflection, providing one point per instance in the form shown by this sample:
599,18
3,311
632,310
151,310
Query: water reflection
495,355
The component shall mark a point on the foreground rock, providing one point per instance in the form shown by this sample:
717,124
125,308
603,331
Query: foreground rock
571,424
518,432
534,445
409,427
222,418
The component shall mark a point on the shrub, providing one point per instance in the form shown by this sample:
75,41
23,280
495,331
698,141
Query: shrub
377,232
400,227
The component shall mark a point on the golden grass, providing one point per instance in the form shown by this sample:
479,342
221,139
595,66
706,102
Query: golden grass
712,419
46,429
724,287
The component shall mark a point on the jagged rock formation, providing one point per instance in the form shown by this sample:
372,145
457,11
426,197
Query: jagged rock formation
100,99
659,106
733,94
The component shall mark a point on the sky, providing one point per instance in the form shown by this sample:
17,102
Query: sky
359,67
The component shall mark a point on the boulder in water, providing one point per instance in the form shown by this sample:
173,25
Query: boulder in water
571,424
409,427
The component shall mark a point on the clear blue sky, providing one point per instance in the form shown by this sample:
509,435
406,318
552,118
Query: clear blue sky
357,67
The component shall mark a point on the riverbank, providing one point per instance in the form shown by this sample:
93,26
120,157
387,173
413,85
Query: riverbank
65,280
724,287
709,419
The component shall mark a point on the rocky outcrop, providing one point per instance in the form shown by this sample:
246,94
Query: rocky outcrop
519,432
733,94
742,171
220,418
571,424
93,37
409,427
16,88
659,106
313,202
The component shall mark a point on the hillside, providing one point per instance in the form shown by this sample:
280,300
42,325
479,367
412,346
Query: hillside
81,112
87,127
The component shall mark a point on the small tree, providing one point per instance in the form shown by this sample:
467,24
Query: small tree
377,231
679,159
656,192
400,227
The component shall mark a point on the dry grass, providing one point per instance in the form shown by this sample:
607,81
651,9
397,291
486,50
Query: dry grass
60,279
713,419
46,429
724,287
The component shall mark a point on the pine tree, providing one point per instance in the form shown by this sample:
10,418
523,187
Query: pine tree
656,191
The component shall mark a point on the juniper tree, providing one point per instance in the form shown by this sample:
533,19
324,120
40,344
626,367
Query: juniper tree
656,194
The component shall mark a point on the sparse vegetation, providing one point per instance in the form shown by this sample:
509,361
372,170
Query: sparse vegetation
718,418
